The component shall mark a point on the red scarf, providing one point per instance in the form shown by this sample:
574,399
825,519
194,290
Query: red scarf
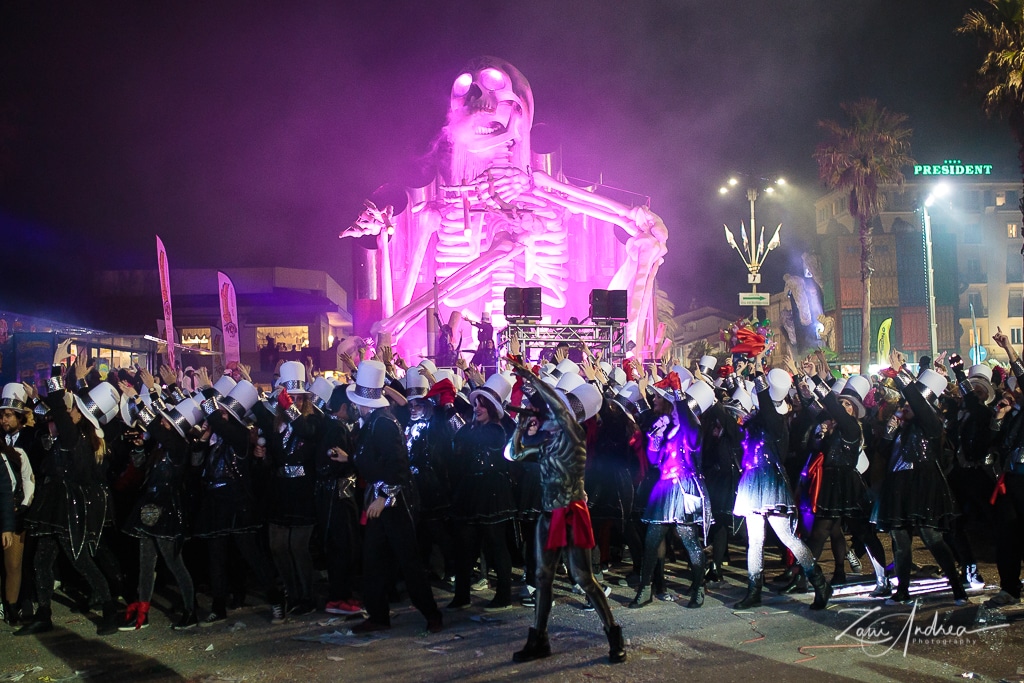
574,515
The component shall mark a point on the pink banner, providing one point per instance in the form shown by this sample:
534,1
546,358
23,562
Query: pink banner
165,296
228,319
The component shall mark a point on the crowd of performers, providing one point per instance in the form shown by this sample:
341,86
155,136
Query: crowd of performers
418,473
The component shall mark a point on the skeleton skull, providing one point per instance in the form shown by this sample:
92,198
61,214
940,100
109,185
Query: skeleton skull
491,106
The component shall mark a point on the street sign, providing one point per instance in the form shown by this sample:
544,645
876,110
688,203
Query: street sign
983,354
754,298
753,278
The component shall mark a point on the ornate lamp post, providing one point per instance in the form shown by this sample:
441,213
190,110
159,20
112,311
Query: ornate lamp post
754,250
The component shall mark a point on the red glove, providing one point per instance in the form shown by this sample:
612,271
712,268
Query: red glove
284,400
444,391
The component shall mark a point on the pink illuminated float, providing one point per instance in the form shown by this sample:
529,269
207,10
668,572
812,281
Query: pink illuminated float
501,216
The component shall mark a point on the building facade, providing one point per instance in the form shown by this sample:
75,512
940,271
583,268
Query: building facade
976,257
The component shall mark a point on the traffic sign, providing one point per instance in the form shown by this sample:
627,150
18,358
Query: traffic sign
983,353
754,298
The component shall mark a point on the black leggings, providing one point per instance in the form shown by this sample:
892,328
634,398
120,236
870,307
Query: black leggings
46,557
824,529
289,546
493,539
248,545
902,549
148,547
654,551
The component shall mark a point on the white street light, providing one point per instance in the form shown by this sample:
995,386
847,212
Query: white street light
939,191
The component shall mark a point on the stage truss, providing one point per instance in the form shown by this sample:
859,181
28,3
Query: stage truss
608,337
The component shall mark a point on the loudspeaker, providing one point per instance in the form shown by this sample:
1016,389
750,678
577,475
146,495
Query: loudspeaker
532,303
513,302
618,308
599,304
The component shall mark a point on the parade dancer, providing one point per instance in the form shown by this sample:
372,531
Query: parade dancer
564,525
679,498
915,495
764,494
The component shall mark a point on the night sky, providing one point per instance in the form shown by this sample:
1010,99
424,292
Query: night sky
247,134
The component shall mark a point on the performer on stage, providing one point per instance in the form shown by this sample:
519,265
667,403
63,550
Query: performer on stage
564,526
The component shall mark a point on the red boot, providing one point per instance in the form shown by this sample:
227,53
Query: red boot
135,617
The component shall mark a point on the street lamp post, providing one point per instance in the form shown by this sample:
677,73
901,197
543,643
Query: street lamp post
940,190
754,250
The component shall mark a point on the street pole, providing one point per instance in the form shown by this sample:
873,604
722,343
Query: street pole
752,279
930,280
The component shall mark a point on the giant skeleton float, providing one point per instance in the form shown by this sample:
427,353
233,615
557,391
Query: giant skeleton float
499,215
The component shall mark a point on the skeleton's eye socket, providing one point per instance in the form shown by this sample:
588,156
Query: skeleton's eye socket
492,79
462,83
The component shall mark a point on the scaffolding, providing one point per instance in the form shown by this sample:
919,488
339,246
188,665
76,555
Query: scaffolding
536,338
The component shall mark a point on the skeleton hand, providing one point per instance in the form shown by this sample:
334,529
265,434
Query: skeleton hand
371,221
499,187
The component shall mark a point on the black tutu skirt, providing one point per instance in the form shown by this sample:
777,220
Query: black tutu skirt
678,501
609,493
526,482
763,490
484,499
228,509
159,513
914,498
842,494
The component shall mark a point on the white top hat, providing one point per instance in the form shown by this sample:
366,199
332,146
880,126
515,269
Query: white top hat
445,373
102,400
700,396
241,400
321,390
293,377
415,383
856,391
616,378
685,376
742,398
839,385
606,367
779,384
629,398
584,402
981,376
185,415
569,381
497,390
14,398
368,390
224,385
707,364
931,385
565,367
429,366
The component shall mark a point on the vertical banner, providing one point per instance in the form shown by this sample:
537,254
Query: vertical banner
228,319
165,296
883,342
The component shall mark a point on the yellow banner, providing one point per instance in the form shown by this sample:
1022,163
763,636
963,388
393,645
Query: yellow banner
883,341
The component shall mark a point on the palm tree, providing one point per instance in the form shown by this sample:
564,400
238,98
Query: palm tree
1000,28
872,151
